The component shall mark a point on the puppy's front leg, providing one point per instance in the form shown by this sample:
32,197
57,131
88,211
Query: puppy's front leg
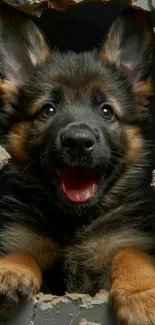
20,278
133,287
26,253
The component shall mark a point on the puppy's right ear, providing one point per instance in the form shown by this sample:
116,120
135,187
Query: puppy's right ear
129,46
22,46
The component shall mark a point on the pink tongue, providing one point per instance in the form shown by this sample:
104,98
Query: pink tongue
78,184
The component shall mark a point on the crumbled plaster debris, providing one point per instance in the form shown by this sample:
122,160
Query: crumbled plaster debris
4,157
85,322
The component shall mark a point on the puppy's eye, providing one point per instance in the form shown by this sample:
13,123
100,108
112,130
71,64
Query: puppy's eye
107,112
47,110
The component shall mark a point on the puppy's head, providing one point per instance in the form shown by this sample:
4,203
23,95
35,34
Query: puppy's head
76,122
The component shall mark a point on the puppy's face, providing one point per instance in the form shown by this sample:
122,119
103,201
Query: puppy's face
76,121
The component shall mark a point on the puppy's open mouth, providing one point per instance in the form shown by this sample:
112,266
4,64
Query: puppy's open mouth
78,184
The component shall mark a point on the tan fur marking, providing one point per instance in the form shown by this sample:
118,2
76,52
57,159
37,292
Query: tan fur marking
20,261
7,88
110,51
115,104
19,273
115,127
143,90
37,104
17,142
134,143
40,55
45,52
17,238
133,287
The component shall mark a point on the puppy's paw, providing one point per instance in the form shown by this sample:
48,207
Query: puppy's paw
18,283
135,309
133,287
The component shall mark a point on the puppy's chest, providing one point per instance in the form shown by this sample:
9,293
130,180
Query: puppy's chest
61,227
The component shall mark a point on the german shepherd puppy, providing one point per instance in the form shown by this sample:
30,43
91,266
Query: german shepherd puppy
74,125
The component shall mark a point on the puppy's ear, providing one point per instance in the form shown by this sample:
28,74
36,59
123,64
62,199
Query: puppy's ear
22,46
129,45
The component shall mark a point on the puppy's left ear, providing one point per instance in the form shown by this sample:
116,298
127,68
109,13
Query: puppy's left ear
129,46
22,46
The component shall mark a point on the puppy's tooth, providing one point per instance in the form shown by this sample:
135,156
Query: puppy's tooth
94,188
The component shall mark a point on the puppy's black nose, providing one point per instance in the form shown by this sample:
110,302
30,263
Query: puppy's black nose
78,137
